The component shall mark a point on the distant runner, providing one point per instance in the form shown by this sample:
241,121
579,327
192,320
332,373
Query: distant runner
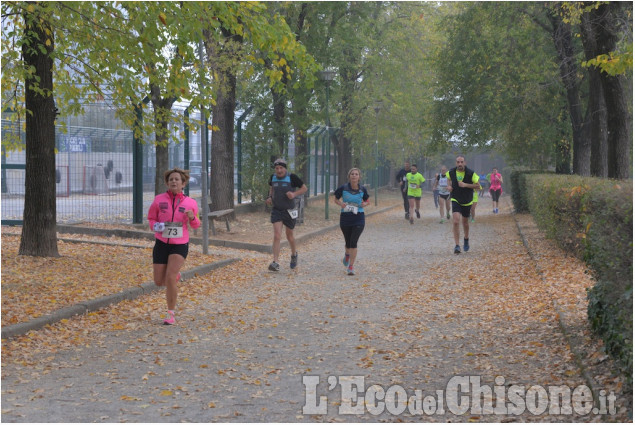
352,198
462,198
441,184
415,182
496,188
403,186
284,212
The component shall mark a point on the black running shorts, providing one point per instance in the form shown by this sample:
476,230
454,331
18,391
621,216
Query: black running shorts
163,250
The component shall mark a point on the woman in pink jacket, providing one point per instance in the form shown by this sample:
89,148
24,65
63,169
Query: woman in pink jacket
169,215
495,189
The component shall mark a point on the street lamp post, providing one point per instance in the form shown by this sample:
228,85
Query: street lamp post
327,76
376,182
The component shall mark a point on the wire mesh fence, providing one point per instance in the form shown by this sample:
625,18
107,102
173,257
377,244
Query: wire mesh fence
94,167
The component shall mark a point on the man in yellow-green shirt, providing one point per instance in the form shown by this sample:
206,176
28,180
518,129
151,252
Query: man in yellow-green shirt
414,180
463,183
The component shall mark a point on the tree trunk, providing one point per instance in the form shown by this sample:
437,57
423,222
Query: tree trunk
279,129
596,109
344,158
348,118
162,107
301,154
223,59
39,232
222,152
619,152
568,73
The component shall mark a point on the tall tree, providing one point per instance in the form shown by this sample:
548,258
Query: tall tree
498,85
224,59
569,73
596,109
607,35
39,237
246,31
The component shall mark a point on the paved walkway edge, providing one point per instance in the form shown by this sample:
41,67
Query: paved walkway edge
101,302
560,315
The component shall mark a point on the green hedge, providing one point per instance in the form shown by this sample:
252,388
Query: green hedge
519,192
593,219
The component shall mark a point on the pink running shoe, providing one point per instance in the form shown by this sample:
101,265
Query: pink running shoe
170,320
178,277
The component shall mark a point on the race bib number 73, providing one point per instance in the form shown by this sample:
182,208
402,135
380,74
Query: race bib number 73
173,230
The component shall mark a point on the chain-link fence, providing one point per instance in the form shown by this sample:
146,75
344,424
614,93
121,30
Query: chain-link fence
94,167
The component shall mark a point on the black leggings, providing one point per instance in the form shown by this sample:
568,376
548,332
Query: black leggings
351,235
406,204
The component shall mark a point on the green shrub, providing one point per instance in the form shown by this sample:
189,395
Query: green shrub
519,192
593,219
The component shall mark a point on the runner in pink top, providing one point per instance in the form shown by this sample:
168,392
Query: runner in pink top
495,189
169,216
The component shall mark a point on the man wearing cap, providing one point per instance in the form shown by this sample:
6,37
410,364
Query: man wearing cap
284,188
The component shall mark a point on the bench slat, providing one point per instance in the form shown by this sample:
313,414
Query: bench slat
220,213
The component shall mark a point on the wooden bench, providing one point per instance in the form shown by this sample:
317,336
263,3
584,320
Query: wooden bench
217,215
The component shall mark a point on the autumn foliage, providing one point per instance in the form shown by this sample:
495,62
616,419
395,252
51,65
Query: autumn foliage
593,219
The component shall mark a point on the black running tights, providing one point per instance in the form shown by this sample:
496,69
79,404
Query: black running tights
351,235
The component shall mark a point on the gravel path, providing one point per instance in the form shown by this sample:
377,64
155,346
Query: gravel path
415,315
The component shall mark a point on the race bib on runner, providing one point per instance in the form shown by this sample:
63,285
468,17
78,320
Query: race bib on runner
413,186
173,230
351,208
293,213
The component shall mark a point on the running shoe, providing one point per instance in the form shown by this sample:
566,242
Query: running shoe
442,221
472,221
496,210
412,221
407,216
170,320
345,260
466,245
178,277
350,271
274,267
418,215
457,249
294,261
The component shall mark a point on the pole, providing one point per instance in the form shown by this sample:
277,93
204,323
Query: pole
317,143
204,160
186,145
376,183
328,150
137,164
308,149
328,174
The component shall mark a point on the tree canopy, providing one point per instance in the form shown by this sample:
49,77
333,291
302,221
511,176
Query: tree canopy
545,84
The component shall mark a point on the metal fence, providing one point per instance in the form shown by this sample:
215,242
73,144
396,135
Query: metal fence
94,168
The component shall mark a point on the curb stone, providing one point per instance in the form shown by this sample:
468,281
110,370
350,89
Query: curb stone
101,302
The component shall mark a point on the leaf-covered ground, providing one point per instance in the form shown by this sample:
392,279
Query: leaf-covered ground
34,286
415,314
